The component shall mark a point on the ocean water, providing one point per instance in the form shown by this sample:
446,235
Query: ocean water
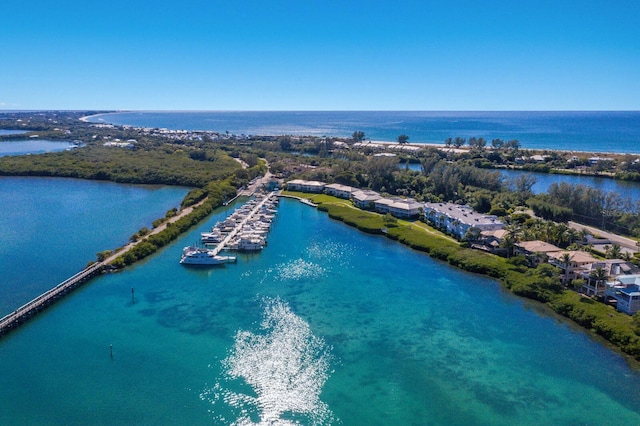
51,228
577,131
326,326
33,146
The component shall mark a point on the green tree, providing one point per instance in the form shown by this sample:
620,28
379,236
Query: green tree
459,142
614,252
522,186
472,234
566,262
402,139
598,276
358,136
477,144
285,143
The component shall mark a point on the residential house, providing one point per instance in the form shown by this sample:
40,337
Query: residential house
340,191
406,208
305,186
624,291
364,199
536,251
382,205
613,269
398,207
458,219
491,241
579,262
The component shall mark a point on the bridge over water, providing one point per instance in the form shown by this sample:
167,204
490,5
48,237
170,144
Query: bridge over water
37,305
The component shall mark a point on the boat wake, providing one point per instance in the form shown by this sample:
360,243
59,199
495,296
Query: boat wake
286,367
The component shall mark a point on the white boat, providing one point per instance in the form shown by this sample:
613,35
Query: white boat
247,243
213,237
193,255
251,243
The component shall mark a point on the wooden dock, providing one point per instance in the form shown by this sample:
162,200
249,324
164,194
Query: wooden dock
221,245
29,310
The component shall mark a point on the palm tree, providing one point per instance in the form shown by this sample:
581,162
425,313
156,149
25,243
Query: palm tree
614,251
584,234
473,234
539,258
572,236
599,276
566,261
511,238
509,243
562,235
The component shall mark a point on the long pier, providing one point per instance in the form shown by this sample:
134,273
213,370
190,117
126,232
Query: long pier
37,305
30,309
221,245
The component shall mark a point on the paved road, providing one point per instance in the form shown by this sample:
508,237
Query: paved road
160,228
623,241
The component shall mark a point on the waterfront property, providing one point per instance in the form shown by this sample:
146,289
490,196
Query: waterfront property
595,274
492,241
536,251
398,207
455,219
340,191
458,219
305,186
578,263
625,291
365,199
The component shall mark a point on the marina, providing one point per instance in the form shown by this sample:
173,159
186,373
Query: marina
245,230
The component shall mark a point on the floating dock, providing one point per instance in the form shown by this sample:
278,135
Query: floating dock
222,244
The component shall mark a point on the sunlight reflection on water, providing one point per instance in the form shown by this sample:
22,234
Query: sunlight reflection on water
285,367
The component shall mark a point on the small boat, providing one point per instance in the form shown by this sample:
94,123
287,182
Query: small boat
247,243
251,243
193,255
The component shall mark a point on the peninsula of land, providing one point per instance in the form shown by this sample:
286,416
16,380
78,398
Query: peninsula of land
550,247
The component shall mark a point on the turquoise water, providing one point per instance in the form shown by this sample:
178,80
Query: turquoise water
326,326
51,228
593,131
33,146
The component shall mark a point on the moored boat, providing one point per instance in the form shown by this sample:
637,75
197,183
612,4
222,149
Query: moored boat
193,255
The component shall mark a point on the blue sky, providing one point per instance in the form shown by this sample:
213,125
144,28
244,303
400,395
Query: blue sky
320,55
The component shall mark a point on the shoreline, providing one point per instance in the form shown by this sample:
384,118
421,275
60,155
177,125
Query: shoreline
467,148
439,145
85,118
567,305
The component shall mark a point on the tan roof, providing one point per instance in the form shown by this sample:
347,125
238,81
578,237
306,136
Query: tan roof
538,246
579,257
498,233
